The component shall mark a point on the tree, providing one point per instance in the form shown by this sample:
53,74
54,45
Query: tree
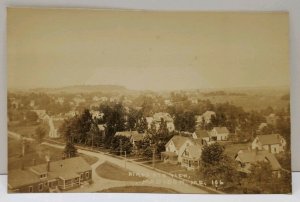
146,147
40,133
185,121
142,125
31,117
259,180
215,165
114,117
70,150
119,144
212,154
161,137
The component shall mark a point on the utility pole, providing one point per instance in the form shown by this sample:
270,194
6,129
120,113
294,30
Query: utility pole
153,154
92,141
120,147
125,158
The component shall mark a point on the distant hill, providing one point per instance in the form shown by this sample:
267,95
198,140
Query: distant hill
83,89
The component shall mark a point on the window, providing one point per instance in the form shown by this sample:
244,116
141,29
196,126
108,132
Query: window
87,175
45,184
81,176
30,189
41,187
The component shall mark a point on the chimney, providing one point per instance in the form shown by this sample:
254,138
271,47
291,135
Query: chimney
48,163
48,166
23,147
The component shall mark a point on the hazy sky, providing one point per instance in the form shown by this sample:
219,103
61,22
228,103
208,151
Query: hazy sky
146,50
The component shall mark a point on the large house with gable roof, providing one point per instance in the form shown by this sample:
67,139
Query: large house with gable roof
183,150
273,143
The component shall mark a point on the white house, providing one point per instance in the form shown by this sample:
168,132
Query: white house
175,148
273,143
96,114
191,157
206,117
157,117
219,134
272,119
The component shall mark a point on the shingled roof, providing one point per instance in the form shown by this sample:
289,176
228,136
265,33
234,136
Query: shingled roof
63,167
269,139
126,133
194,151
246,156
66,169
178,141
221,130
19,178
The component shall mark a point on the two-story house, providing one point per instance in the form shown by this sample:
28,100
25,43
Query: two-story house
273,143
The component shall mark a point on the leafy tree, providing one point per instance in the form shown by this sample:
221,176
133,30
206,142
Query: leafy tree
114,117
146,147
213,153
70,150
120,144
185,121
161,137
283,126
215,165
142,125
40,133
31,117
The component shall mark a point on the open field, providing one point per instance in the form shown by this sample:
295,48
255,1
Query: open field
114,172
139,189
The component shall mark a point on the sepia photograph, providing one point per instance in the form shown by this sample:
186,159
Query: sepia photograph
138,101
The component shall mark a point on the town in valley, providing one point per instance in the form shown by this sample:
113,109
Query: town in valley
112,139
128,101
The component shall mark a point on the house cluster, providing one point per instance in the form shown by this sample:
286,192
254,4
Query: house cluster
186,149
263,148
158,117
51,177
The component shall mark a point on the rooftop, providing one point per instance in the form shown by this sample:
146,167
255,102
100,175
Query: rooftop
221,130
252,156
269,139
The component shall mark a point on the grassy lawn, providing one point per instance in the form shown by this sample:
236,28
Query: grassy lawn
232,149
89,159
139,189
25,130
166,166
35,151
178,171
114,172
32,151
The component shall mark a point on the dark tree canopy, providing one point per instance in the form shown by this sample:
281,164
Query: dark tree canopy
212,153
